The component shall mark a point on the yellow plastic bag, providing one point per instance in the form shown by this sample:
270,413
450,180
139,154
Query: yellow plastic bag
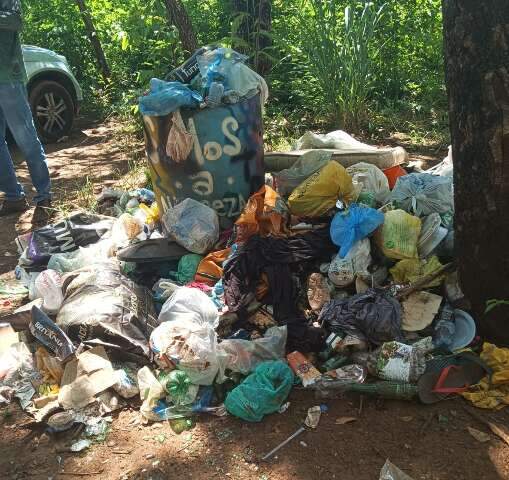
319,193
410,270
152,212
399,234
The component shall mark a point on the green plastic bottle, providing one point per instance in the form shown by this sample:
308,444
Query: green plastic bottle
180,425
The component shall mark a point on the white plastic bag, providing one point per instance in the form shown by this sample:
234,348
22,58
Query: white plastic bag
391,472
371,179
445,168
48,286
187,338
126,385
150,392
15,363
342,271
244,355
193,225
189,304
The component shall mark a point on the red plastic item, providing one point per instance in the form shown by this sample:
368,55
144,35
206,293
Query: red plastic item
393,173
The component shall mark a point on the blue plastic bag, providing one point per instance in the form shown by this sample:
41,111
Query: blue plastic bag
352,225
166,97
262,392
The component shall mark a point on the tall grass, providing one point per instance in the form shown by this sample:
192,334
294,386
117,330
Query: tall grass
340,50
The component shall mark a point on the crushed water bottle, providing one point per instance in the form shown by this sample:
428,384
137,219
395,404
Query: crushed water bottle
444,329
216,91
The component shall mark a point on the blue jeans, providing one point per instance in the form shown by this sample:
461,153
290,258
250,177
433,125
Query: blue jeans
16,114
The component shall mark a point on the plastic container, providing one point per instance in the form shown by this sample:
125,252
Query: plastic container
225,165
432,233
393,173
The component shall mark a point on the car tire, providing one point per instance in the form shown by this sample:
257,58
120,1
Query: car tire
53,110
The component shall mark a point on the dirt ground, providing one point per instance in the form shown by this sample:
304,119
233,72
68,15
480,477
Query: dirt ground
427,442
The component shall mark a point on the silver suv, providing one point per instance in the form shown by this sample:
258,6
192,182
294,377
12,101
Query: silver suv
53,92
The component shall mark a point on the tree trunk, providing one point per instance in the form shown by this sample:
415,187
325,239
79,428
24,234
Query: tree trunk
178,16
476,38
252,28
94,40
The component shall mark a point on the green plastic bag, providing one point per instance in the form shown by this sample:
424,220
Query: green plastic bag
262,392
188,265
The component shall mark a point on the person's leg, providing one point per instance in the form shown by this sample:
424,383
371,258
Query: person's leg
8,182
18,116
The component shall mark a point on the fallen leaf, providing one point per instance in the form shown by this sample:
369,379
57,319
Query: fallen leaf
344,420
478,435
407,419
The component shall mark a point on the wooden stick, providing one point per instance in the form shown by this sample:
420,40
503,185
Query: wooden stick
361,404
499,430
82,474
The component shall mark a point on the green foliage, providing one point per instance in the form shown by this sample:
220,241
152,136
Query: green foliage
491,304
340,51
327,68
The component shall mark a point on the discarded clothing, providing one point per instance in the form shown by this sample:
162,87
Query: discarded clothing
373,316
492,394
274,257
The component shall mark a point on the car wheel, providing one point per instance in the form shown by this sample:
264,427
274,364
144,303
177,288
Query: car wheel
53,110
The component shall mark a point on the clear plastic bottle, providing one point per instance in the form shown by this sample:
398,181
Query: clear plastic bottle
216,91
444,329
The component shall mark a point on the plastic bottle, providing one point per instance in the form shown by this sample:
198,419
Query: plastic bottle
216,91
180,425
338,381
334,362
444,329
330,344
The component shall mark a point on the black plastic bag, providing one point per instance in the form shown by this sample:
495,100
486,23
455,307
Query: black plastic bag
102,306
50,335
78,230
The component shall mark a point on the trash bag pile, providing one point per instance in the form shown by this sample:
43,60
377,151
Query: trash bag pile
341,280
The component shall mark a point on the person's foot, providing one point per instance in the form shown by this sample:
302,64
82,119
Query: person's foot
10,207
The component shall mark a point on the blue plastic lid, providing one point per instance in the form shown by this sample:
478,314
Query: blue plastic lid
465,330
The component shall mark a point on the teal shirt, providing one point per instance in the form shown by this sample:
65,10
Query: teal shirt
12,67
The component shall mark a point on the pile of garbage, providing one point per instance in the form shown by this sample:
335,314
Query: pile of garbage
335,279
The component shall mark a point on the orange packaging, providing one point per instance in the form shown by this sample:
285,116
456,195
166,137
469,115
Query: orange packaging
303,368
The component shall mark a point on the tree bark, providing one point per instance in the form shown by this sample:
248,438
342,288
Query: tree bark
255,22
177,15
476,39
94,40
